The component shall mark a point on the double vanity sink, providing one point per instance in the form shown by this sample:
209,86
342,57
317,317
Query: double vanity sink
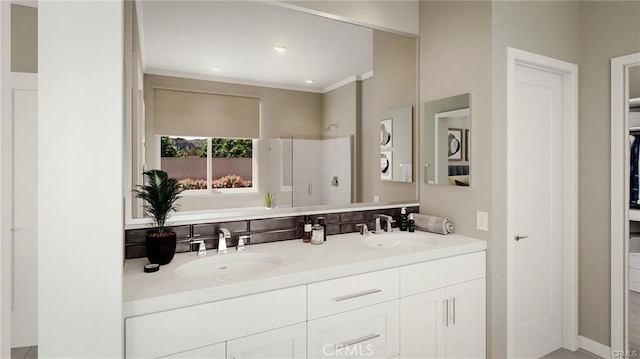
382,292
243,265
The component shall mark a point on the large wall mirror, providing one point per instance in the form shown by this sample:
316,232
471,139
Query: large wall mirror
447,138
237,99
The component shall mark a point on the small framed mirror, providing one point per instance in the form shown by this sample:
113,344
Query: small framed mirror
447,139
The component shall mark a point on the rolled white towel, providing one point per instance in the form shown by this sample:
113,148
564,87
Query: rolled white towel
433,224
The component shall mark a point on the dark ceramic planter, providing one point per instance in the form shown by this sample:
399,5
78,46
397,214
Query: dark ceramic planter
160,247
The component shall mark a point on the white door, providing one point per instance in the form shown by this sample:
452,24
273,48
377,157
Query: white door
535,212
24,314
284,343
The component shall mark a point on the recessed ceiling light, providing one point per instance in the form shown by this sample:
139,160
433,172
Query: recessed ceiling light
280,48
309,81
216,69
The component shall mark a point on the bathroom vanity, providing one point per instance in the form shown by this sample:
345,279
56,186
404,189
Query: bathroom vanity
389,295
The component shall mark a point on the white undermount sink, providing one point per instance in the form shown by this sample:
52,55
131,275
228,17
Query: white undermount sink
399,240
228,267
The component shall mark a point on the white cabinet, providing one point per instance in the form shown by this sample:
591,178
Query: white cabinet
215,351
433,309
445,323
179,330
422,317
284,343
372,332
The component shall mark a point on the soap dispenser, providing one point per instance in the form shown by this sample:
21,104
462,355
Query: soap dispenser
404,220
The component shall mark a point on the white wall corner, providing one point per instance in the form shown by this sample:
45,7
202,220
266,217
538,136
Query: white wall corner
594,347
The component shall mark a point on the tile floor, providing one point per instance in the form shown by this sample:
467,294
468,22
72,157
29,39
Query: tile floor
24,353
567,354
32,353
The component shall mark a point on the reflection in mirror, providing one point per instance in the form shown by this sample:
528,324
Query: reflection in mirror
396,145
289,110
447,139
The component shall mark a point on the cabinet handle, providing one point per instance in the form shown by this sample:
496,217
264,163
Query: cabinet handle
355,295
445,314
454,311
356,341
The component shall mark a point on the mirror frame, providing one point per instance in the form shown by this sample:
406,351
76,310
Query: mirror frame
230,214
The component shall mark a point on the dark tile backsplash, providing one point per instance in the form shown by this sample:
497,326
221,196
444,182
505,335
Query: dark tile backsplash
260,230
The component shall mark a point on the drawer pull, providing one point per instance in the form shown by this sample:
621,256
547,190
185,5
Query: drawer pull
357,340
355,295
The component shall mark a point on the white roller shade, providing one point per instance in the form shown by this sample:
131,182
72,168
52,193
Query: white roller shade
186,113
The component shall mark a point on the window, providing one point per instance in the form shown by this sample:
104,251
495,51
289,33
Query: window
201,163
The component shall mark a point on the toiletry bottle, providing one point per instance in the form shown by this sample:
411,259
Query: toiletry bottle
324,228
404,220
306,234
412,223
318,234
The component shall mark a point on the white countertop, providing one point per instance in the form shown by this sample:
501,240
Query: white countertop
302,263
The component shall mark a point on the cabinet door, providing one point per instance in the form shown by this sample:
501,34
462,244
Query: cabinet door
215,351
371,332
465,334
422,319
284,343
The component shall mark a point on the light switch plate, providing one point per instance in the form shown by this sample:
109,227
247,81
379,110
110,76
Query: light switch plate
482,221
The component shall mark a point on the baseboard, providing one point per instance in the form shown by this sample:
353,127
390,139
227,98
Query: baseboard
594,347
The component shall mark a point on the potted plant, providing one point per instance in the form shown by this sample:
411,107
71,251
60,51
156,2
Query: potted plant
268,200
160,193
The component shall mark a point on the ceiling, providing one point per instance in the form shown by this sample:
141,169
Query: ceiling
238,37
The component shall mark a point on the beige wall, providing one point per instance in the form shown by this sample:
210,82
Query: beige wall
24,39
283,112
609,29
398,15
456,60
394,86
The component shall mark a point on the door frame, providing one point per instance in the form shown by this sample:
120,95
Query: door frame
6,249
620,198
569,73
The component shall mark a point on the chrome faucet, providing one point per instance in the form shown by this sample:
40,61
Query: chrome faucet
388,219
222,240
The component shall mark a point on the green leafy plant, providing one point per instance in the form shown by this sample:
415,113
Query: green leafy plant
268,199
160,193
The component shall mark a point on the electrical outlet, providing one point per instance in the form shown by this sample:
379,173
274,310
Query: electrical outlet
482,221
376,198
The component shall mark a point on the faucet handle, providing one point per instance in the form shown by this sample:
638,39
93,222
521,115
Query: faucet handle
242,241
364,230
202,249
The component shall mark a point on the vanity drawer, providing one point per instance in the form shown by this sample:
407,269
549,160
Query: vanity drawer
372,331
423,277
343,294
179,330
